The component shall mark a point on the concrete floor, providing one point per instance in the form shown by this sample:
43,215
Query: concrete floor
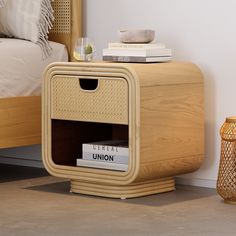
33,203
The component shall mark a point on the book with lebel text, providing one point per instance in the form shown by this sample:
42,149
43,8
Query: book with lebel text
109,151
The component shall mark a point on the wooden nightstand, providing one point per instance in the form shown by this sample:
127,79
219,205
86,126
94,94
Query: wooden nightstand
158,108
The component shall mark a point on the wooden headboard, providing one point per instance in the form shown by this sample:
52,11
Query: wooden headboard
67,26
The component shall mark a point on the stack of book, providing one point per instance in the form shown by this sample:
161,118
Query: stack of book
137,52
111,155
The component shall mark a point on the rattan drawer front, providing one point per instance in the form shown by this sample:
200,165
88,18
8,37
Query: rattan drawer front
108,103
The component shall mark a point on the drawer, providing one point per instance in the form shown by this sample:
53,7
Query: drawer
86,98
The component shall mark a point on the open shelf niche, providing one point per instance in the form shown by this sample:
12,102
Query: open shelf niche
68,137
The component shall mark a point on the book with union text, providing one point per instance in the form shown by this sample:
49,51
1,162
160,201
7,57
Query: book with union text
110,151
110,155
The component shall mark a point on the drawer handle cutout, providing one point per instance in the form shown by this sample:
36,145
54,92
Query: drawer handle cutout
88,84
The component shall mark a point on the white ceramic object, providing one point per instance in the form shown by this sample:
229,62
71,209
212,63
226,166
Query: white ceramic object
136,36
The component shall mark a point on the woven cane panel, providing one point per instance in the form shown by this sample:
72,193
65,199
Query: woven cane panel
62,14
226,183
228,131
107,104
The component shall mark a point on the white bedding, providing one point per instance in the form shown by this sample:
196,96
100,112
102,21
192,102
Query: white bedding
22,66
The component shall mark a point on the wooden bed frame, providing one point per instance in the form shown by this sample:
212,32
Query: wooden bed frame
20,117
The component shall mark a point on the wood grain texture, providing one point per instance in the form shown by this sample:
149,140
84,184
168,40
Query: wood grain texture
165,125
171,119
20,122
172,122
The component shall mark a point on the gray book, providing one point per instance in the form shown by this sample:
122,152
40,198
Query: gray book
101,165
136,59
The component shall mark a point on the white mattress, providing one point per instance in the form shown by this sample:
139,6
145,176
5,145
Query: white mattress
22,66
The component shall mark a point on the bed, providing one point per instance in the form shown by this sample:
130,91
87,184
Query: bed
20,117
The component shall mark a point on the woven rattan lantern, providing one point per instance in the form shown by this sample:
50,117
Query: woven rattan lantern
226,183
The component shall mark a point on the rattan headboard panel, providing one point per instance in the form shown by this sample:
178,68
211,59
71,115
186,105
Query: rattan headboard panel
67,26
62,14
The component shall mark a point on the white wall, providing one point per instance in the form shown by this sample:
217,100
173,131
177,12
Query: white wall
203,32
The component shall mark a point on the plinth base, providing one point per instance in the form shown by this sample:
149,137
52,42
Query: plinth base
124,191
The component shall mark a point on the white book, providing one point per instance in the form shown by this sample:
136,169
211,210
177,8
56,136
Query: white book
148,52
111,151
119,147
101,165
135,46
136,59
106,157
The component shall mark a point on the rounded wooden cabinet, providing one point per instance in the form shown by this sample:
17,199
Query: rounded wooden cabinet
156,108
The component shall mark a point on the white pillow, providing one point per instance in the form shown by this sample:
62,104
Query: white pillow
27,19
